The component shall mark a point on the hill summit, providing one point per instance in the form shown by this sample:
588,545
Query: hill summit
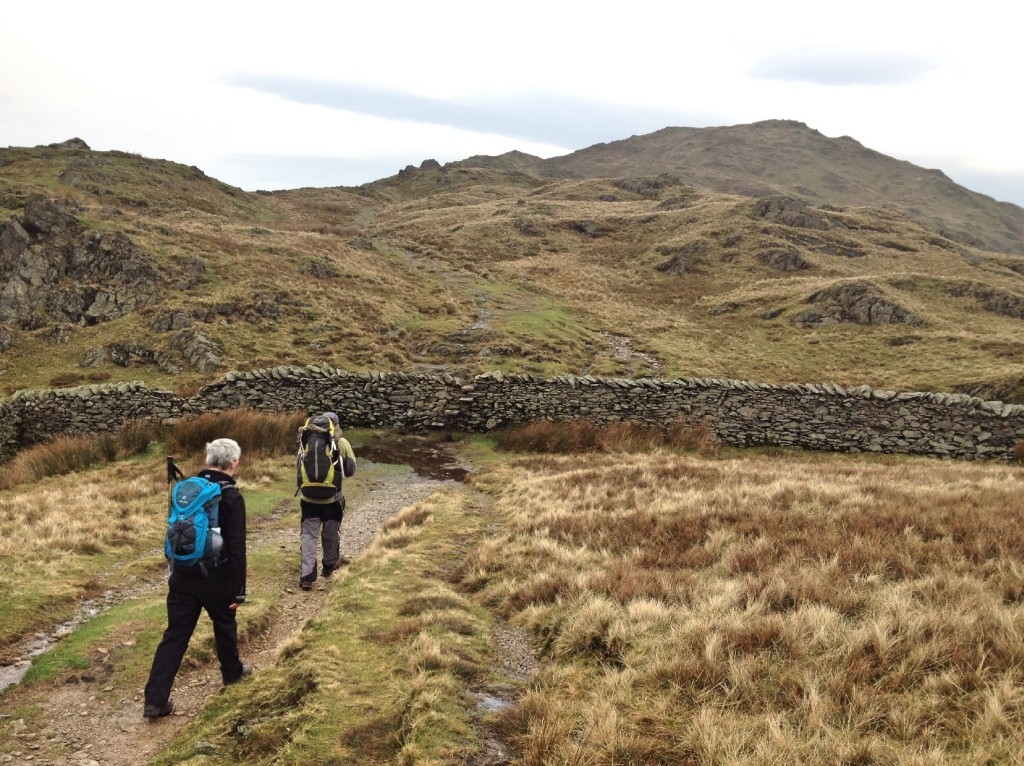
761,252
786,157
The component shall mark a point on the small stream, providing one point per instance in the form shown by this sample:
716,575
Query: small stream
428,457
39,643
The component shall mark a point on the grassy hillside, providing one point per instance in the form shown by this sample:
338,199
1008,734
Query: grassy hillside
482,268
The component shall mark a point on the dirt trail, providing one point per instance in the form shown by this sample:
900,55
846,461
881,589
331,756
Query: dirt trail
85,728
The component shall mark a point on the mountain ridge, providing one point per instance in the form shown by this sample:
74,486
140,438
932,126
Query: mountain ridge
773,157
471,268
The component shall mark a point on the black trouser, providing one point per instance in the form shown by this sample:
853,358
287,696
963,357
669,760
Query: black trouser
186,598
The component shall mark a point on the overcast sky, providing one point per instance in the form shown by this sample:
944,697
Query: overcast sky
281,95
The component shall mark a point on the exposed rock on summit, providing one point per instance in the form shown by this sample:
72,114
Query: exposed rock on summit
71,143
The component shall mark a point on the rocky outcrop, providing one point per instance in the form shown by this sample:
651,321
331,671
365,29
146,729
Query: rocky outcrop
647,186
855,302
832,246
199,352
989,298
683,259
53,271
319,269
789,211
783,259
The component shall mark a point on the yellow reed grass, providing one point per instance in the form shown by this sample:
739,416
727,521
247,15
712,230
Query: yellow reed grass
815,609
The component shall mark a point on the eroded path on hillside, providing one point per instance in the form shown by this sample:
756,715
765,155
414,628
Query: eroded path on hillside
80,726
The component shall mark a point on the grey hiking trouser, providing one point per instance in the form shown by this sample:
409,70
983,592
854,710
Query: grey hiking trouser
329,532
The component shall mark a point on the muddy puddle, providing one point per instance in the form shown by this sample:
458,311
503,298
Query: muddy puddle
429,457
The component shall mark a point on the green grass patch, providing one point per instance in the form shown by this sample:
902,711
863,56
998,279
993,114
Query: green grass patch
104,645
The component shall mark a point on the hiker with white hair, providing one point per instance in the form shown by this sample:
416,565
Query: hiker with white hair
218,588
323,507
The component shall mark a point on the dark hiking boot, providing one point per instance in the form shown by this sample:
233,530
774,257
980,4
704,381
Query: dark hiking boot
306,583
246,672
330,569
158,711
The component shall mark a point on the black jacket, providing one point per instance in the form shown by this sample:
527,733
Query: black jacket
232,530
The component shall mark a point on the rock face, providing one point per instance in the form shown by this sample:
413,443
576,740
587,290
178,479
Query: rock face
53,271
789,212
855,302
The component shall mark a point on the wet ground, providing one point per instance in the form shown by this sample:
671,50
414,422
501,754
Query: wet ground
429,456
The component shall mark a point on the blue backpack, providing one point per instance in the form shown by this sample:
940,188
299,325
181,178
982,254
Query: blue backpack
193,538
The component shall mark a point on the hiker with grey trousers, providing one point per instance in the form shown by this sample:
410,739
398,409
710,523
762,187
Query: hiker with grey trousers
321,518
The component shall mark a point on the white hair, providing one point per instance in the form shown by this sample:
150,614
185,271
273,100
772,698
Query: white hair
221,453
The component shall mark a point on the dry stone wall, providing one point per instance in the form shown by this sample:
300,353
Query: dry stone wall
821,417
40,415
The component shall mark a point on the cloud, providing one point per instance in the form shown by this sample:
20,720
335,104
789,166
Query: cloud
282,171
556,119
843,68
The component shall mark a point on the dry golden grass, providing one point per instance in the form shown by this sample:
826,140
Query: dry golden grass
259,434
757,610
58,538
71,508
89,515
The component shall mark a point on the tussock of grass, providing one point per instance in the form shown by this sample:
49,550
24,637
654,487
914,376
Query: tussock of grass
259,434
747,610
77,453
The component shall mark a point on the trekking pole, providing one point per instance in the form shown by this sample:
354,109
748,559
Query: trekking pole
173,473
